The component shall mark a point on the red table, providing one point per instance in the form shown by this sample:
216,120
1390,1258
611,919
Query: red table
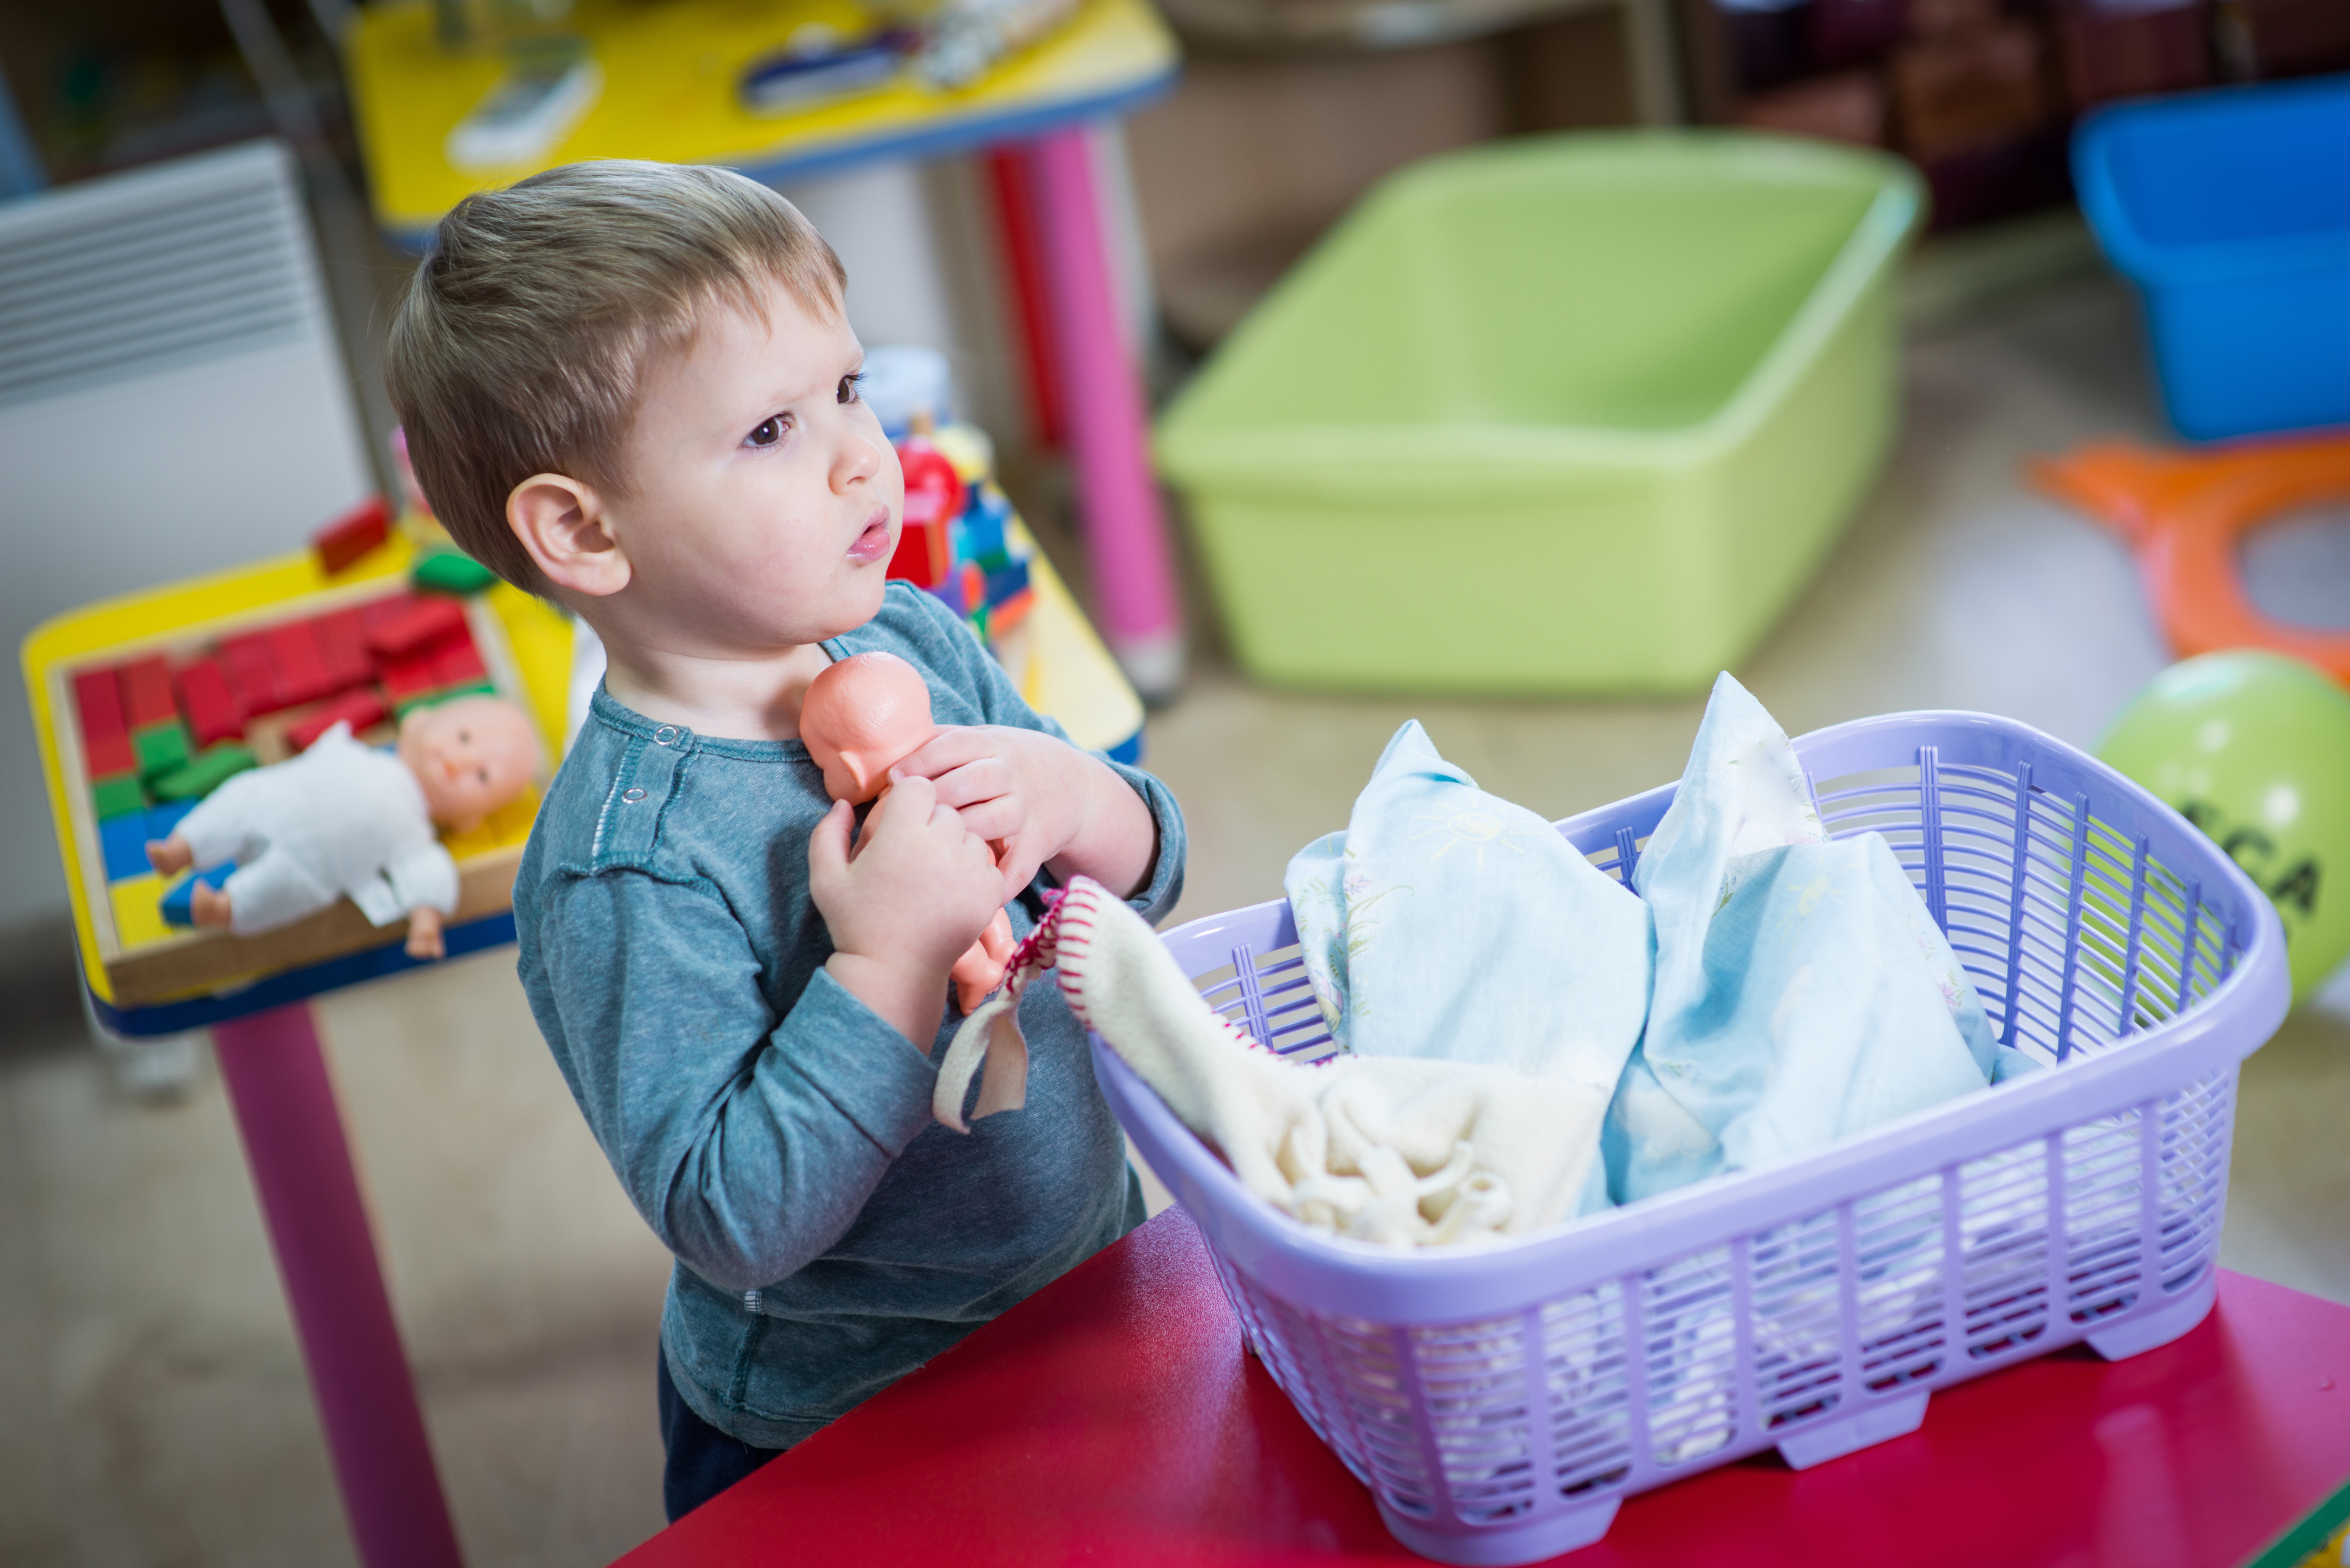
1115,1419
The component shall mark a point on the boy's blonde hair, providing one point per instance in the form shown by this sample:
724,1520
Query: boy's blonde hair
526,332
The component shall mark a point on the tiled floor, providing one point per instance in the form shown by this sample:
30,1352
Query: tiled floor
153,1406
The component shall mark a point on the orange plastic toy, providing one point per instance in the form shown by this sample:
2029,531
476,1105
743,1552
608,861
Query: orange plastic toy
2183,514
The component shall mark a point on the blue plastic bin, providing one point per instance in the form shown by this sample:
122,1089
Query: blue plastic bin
2231,211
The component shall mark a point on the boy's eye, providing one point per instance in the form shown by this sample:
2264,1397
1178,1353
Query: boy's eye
848,392
767,432
484,775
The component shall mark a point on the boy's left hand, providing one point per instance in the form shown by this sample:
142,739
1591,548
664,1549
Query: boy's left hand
1047,802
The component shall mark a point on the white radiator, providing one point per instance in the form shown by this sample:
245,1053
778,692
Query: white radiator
173,401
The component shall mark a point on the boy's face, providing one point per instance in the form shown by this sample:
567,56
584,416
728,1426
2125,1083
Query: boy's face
764,500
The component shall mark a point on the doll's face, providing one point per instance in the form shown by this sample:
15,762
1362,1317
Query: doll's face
471,757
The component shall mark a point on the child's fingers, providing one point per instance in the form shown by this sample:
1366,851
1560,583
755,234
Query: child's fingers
1001,817
910,799
828,846
985,779
949,749
1019,862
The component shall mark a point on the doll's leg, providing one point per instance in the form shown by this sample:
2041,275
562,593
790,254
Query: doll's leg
221,829
981,967
275,889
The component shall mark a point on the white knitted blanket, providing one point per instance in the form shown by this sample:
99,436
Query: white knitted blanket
1398,1151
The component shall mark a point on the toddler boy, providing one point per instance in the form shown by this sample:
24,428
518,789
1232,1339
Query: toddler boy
633,387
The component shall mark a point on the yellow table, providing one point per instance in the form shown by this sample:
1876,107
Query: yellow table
670,78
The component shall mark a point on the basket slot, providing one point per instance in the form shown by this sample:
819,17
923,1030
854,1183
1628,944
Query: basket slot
1929,811
2010,1014
2196,1125
2004,1225
1252,999
1900,1254
1690,1356
2076,888
1482,1389
1371,1379
1587,1380
1798,1337
2104,1191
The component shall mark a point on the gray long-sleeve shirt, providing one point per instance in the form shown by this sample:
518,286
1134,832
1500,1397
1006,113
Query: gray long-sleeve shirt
774,1132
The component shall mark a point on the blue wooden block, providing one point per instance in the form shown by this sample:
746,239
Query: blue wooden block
162,820
1002,584
124,840
178,904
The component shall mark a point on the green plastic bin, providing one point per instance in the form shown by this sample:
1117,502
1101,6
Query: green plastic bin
1576,413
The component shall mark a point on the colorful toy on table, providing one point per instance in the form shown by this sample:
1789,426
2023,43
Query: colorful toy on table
344,819
2186,513
2254,749
161,733
956,544
861,717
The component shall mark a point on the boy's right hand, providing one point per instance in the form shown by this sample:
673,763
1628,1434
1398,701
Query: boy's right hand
913,896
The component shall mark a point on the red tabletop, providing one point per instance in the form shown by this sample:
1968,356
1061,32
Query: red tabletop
1114,1417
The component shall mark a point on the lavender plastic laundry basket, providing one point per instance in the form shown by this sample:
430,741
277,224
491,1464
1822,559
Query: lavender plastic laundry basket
1501,1402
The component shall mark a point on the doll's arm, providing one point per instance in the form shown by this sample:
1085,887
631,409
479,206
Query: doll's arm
424,940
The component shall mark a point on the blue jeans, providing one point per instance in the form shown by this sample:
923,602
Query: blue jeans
703,1460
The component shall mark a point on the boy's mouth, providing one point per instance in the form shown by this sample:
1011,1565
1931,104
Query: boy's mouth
874,543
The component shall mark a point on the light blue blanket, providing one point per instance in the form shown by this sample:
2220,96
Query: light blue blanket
1803,992
1446,922
1767,993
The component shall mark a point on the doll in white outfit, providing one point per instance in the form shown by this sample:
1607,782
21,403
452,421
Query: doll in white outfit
346,819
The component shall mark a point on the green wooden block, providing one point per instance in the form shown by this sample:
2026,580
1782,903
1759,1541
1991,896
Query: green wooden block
160,748
448,572
199,777
118,796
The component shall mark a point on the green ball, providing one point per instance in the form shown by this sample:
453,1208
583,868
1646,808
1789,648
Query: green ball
2254,749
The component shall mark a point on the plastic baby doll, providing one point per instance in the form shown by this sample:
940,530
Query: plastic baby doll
348,819
861,717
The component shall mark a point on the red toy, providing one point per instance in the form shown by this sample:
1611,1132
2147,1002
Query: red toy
352,534
933,501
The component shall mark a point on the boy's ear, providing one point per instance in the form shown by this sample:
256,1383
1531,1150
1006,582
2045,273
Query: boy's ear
561,522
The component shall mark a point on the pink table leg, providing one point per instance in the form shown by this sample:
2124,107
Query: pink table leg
1134,579
293,1134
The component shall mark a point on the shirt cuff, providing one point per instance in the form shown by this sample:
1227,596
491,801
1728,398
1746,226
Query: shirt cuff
859,1062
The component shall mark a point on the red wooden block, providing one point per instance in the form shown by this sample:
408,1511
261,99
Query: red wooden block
98,705
352,534
405,680
424,621
342,645
294,654
376,612
359,708
147,694
457,662
214,712
108,757
251,674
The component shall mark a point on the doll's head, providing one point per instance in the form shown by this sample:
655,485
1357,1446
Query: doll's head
471,757
861,715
